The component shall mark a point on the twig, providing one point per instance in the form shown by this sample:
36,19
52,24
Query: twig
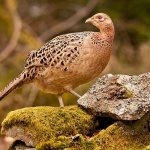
14,38
62,26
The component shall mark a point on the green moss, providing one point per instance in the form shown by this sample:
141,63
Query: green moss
117,136
79,143
59,143
56,128
46,123
122,136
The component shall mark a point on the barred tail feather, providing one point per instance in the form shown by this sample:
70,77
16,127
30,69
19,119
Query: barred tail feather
17,82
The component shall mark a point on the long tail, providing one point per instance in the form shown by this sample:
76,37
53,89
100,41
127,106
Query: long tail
17,82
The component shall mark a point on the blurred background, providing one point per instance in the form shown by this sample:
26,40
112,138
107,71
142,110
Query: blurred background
25,25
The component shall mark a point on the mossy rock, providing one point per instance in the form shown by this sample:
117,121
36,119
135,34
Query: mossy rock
40,124
121,137
72,128
116,137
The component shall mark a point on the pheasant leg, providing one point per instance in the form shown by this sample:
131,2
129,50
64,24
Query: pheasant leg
60,101
74,93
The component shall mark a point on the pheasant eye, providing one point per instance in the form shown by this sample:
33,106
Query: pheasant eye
101,18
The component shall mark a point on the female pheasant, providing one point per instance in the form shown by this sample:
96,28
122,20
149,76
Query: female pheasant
68,60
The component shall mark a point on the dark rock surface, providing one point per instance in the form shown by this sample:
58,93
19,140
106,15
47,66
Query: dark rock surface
123,97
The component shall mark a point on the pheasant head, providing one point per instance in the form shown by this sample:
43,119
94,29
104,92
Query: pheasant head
103,22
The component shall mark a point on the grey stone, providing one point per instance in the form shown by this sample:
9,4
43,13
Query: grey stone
122,97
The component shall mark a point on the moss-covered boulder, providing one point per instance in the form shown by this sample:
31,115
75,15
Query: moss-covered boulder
118,136
40,124
72,128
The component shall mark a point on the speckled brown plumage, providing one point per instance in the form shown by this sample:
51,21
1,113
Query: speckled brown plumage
68,60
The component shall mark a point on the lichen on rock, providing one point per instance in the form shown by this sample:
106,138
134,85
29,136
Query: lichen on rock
123,97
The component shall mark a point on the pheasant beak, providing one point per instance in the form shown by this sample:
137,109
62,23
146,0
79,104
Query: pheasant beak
88,20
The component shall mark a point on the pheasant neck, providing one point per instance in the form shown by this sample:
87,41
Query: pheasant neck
108,31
